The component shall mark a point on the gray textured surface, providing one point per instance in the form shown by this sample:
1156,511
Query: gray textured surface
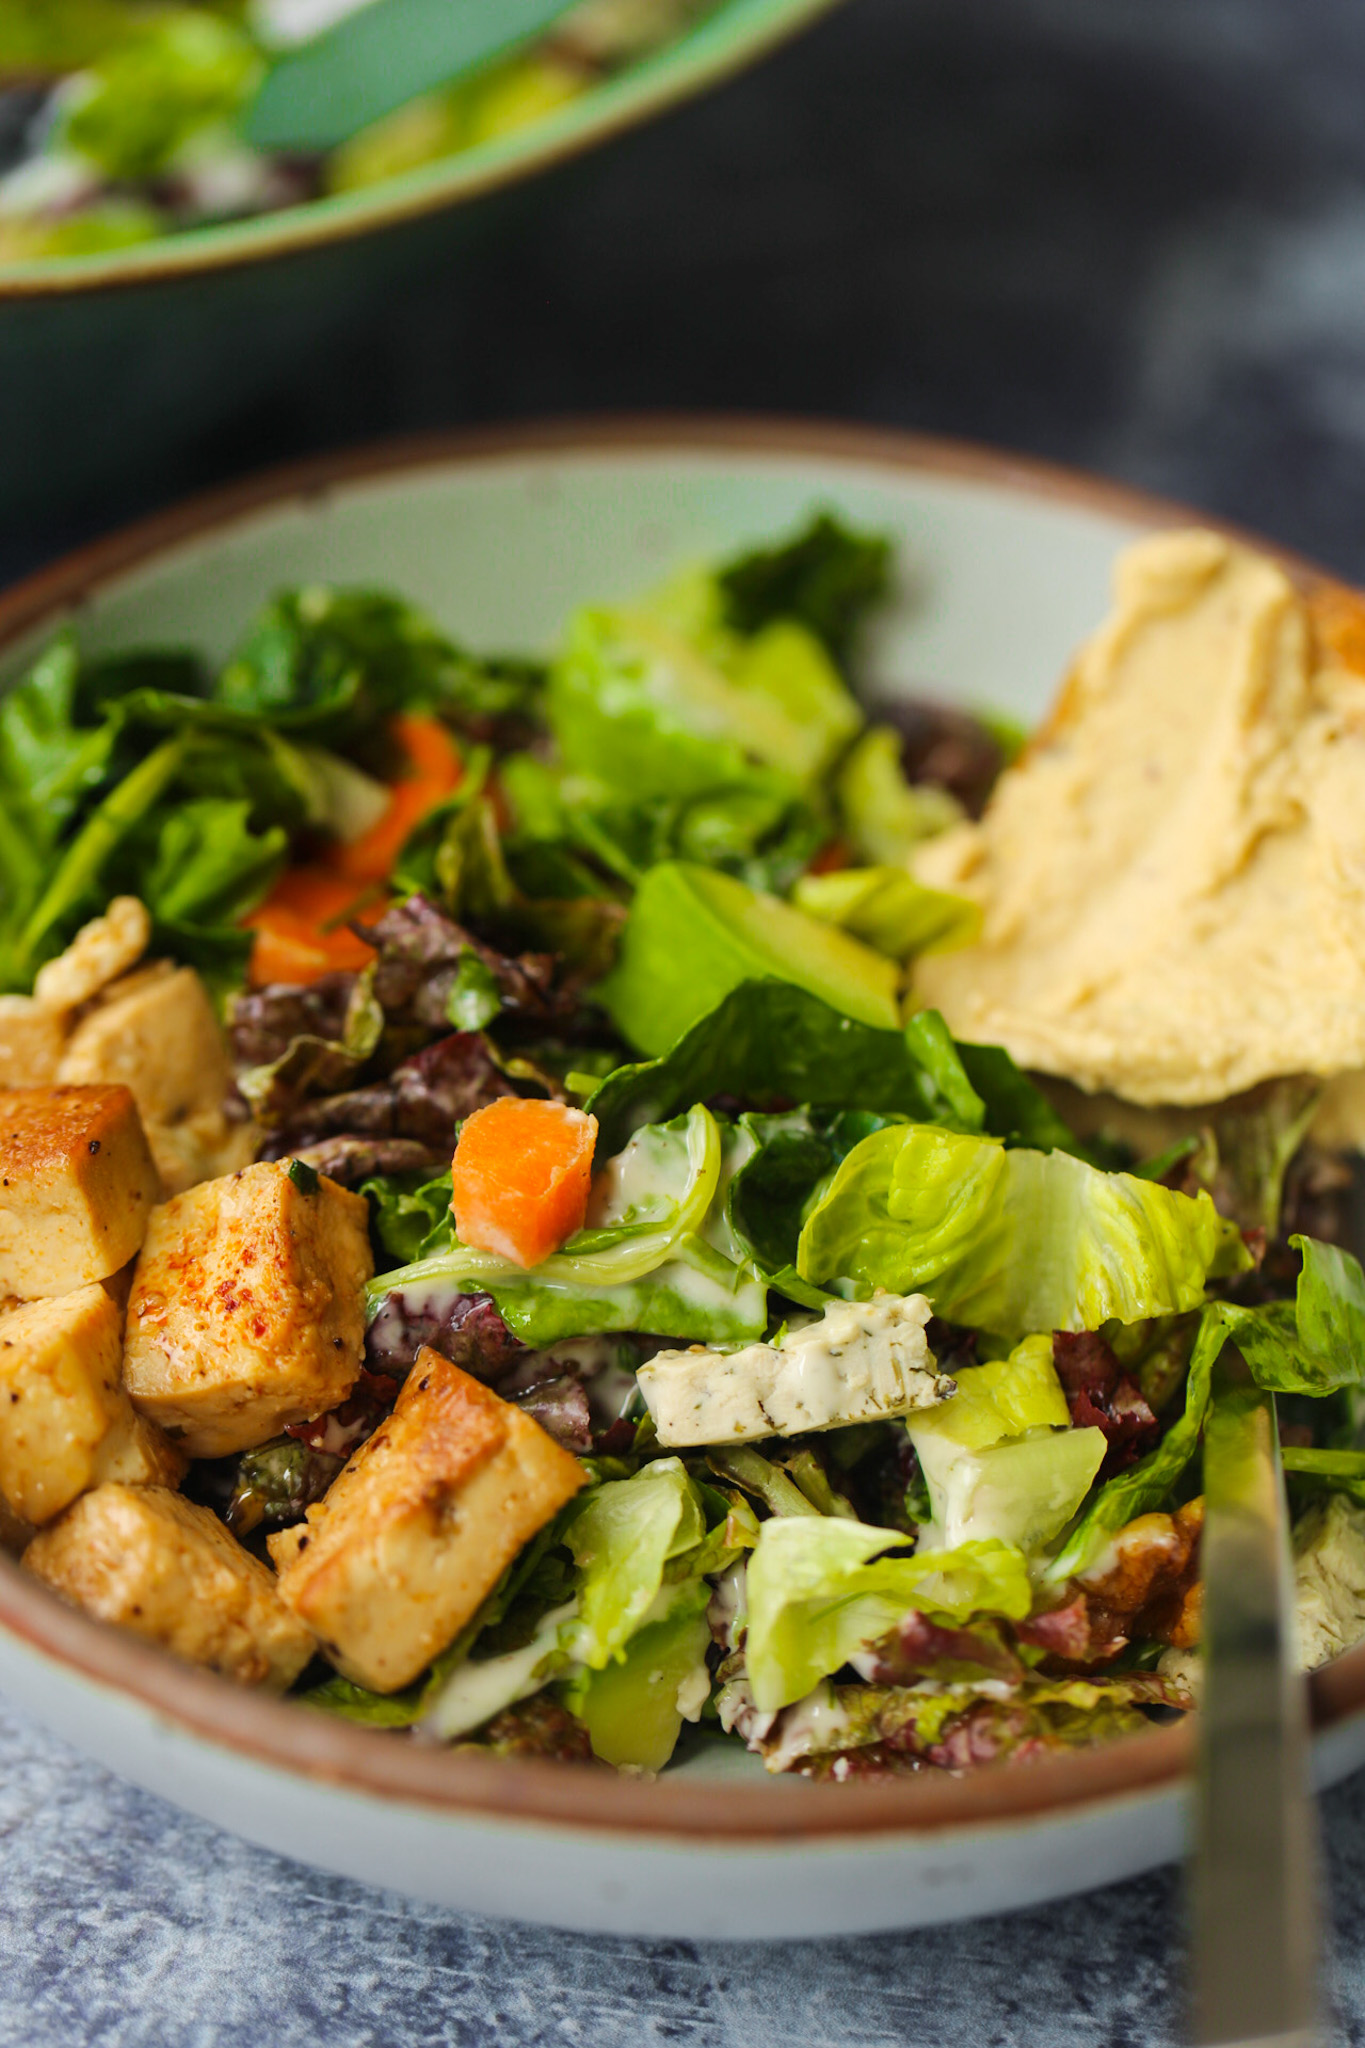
1124,233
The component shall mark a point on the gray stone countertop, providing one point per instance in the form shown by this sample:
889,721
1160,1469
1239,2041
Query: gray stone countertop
1128,234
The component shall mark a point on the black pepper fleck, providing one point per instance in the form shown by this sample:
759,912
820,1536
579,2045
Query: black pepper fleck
94,1145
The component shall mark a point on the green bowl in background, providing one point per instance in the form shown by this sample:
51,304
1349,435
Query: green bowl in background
108,361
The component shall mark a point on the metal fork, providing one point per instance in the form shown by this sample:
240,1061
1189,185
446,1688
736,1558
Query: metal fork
1255,1892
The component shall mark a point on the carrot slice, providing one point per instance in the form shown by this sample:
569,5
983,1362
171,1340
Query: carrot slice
520,1177
293,940
435,769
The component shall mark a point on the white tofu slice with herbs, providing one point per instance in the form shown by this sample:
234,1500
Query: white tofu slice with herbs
861,1361
167,1570
247,1309
77,1187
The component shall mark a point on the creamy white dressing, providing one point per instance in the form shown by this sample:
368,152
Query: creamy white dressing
477,1691
813,1724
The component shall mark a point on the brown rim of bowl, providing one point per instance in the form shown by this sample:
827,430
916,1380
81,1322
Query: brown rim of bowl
407,196
280,1734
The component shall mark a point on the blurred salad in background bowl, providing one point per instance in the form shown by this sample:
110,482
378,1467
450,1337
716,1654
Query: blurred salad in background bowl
125,124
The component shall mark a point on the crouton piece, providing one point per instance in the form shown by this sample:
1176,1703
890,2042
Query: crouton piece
101,950
248,1307
156,1033
421,1524
168,1570
31,1038
77,1186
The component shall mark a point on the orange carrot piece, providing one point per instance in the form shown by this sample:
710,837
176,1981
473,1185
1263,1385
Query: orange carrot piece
298,938
520,1177
435,769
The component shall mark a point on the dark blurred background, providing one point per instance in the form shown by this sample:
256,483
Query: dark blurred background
1127,234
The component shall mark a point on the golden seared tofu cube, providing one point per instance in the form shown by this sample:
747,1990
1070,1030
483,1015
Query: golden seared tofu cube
421,1524
137,1453
101,951
168,1570
31,1040
60,1396
155,1032
77,1185
247,1310
66,1422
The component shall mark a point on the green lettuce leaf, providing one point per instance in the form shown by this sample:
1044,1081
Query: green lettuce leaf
1315,1344
887,908
622,1538
1012,1241
635,1706
660,701
768,1039
177,71
659,1258
819,1591
1326,1471
828,576
883,816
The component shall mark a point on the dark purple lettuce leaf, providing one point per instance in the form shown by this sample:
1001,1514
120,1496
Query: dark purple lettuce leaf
423,1100
559,1404
264,1022
420,949
350,1159
465,1328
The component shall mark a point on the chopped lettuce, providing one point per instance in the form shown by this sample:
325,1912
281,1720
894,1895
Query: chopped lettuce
1001,1459
658,1255
827,577
647,704
635,1706
1012,1241
819,1591
622,1539
693,934
177,71
884,817
768,1039
887,908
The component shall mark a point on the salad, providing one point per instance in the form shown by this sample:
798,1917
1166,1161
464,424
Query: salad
493,1245
118,118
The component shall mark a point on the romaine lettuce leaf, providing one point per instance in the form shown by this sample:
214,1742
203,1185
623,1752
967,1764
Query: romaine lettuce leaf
634,1708
622,1538
177,70
887,908
1001,1458
819,1591
1012,1241
647,705
884,817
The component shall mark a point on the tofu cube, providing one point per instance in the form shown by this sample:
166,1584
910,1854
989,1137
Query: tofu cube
77,1185
66,1421
158,1565
421,1524
136,1453
31,1040
157,1033
247,1310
